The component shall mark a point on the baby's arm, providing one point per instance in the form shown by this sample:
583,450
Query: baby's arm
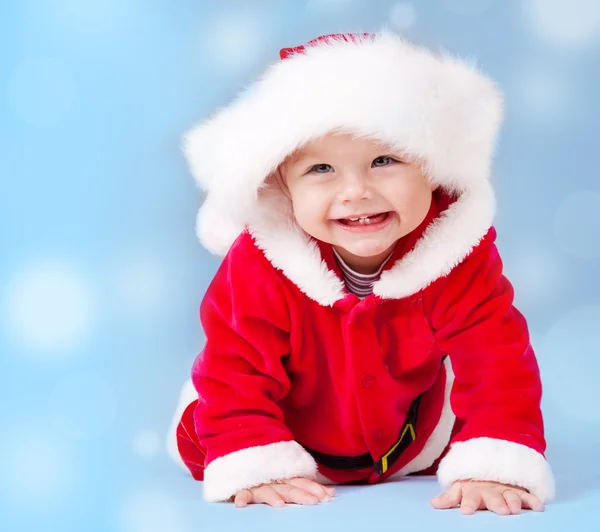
241,378
497,388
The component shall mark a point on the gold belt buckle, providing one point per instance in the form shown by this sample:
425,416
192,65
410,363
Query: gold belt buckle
384,458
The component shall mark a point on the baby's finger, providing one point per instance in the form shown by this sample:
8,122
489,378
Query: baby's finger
531,501
513,501
319,491
449,499
295,495
243,498
495,502
267,495
470,502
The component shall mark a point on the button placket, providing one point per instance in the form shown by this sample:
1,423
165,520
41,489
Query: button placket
362,339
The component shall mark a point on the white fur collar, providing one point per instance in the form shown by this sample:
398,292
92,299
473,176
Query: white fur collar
445,243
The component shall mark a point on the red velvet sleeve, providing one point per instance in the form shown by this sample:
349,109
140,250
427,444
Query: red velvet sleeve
497,388
240,377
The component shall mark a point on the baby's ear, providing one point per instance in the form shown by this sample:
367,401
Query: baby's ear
276,179
424,169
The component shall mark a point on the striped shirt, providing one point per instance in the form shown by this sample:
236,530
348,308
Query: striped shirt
359,284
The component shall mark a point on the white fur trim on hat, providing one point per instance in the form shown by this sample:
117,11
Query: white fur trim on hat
499,461
434,107
254,466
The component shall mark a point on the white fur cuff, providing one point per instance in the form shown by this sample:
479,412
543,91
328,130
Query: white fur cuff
254,466
499,461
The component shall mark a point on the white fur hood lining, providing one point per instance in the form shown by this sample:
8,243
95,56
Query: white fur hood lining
433,106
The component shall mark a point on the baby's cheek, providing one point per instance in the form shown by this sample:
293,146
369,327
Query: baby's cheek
415,206
308,220
309,210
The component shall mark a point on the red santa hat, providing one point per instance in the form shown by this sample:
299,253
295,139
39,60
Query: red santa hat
433,106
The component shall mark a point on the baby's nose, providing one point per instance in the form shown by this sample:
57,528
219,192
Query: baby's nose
355,187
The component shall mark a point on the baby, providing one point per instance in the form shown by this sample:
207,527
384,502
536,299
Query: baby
360,326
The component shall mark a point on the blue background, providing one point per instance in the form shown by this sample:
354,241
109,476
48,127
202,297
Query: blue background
101,274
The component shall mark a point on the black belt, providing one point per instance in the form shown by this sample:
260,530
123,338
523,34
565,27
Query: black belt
408,434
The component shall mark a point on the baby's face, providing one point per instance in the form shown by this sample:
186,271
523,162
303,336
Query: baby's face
355,195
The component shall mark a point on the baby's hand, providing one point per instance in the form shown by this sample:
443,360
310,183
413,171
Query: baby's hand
473,495
294,490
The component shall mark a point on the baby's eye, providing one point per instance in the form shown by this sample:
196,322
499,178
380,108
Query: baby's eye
321,168
382,161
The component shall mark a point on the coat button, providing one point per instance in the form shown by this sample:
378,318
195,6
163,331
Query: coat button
369,381
378,435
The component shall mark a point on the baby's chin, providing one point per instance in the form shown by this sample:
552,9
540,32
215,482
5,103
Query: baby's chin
366,249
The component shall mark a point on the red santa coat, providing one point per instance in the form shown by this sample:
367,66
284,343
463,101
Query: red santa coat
282,373
300,378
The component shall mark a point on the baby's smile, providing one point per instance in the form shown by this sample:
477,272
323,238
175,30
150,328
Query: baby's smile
365,222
